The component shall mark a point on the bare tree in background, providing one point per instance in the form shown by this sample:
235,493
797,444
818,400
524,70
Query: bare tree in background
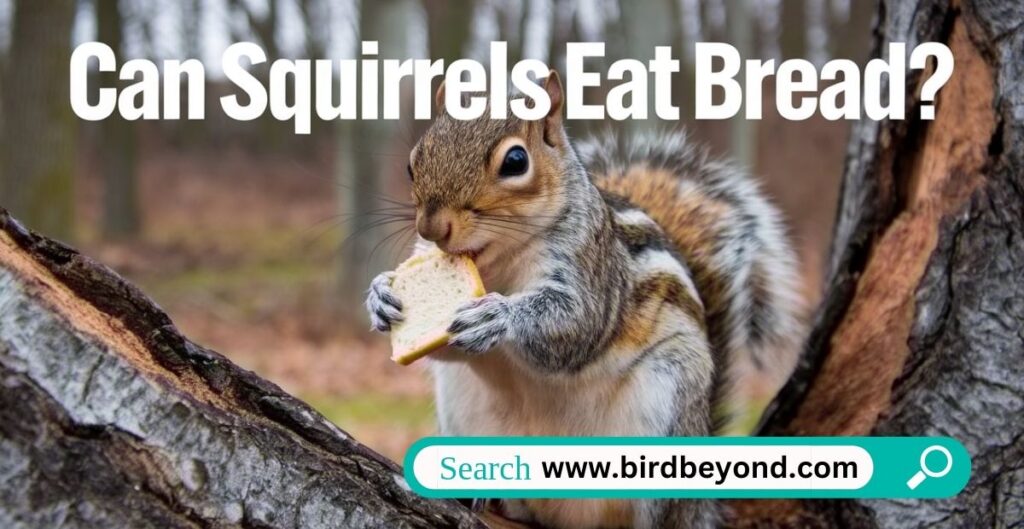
262,28
793,36
37,134
645,26
116,140
371,152
742,131
368,153
191,20
848,31
449,27
316,22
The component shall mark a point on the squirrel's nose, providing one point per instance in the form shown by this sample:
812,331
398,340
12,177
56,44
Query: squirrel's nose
435,228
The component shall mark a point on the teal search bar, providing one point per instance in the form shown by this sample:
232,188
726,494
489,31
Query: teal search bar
687,467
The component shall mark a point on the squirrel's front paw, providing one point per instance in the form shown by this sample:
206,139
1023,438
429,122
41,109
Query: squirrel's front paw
481,323
381,303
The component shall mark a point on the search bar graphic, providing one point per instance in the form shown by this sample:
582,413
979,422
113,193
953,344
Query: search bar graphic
687,467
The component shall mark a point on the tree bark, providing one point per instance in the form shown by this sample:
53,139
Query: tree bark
922,327
110,418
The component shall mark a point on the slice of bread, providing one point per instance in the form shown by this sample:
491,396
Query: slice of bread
431,287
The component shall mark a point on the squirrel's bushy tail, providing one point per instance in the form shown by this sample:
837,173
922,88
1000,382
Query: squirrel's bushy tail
733,241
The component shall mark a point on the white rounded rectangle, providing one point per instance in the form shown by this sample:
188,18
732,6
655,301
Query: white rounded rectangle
642,467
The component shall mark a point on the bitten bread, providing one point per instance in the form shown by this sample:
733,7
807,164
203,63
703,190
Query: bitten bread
432,286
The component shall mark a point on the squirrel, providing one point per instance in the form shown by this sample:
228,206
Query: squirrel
623,284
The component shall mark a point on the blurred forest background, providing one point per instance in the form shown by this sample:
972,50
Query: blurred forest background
259,243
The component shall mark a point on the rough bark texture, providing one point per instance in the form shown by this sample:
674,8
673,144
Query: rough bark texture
922,328
110,418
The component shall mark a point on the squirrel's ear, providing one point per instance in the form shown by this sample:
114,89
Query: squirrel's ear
553,121
439,97
553,86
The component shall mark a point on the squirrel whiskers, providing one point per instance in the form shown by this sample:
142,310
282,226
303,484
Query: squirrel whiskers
624,283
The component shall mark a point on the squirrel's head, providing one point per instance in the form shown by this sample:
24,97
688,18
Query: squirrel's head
486,186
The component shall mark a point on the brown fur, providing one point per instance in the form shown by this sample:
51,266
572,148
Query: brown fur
691,220
647,301
616,514
466,191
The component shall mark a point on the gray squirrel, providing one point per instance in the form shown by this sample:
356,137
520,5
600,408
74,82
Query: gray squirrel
624,284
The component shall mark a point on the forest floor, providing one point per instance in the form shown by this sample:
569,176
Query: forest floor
239,250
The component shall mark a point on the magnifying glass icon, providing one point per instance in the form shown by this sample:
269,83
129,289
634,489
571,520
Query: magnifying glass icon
916,480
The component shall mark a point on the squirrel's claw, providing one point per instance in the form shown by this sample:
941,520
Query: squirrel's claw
480,324
382,304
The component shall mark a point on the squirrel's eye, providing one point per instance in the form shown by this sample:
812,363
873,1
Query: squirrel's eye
409,169
516,162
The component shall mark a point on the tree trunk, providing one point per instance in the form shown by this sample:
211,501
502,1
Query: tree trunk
37,134
742,131
793,41
116,138
371,155
922,328
448,28
646,25
110,418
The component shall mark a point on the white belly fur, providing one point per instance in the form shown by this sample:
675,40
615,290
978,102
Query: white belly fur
492,395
